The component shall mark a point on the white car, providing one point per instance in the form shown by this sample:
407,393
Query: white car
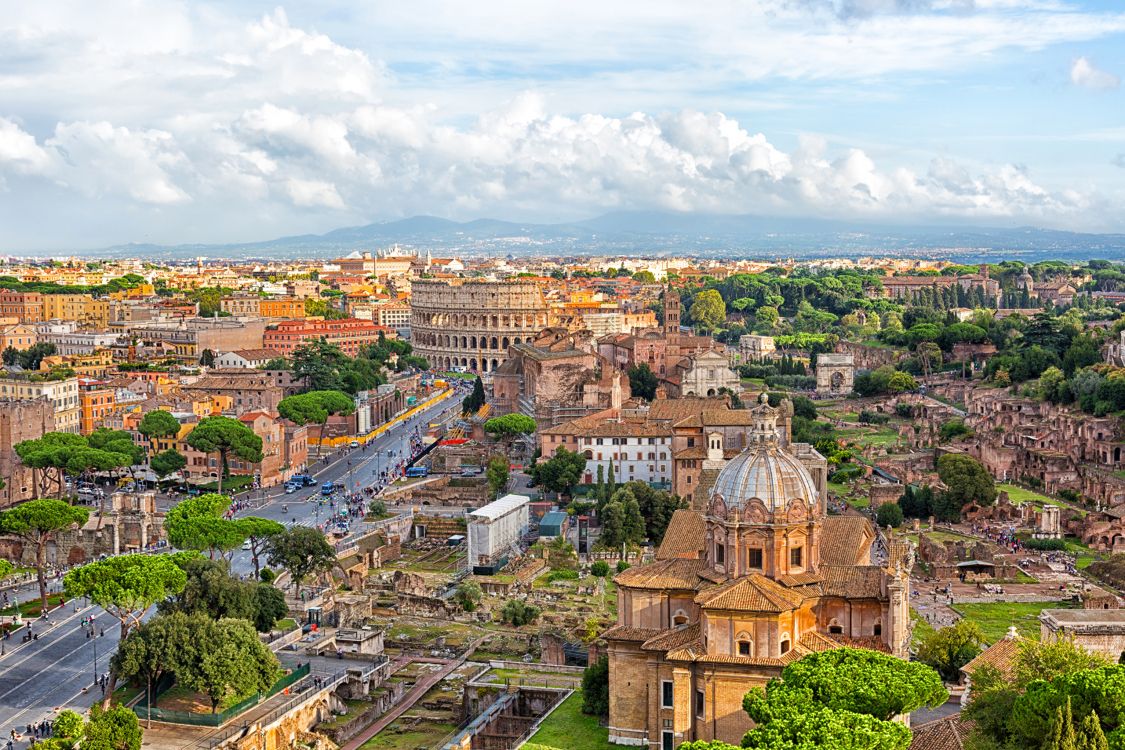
354,444
247,546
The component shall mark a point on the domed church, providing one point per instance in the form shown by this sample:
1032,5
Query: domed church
753,577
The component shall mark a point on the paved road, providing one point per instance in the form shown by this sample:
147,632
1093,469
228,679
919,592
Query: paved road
38,678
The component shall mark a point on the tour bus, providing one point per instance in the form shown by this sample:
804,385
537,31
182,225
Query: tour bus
417,471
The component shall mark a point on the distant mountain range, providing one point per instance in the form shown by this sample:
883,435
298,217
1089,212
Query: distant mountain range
654,233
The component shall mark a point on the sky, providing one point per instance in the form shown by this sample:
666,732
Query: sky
180,122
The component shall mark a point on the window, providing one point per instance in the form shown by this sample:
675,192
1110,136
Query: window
691,442
878,628
785,643
720,553
795,557
754,558
666,694
679,619
699,703
745,648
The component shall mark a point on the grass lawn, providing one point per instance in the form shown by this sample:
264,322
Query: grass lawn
32,607
233,483
995,618
567,727
941,536
399,737
839,488
285,625
922,629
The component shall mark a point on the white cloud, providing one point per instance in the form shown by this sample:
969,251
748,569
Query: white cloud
201,118
19,151
313,193
101,158
1083,73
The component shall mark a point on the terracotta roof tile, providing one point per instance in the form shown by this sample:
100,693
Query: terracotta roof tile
684,536
1001,655
673,639
845,540
949,733
752,593
853,581
662,574
628,633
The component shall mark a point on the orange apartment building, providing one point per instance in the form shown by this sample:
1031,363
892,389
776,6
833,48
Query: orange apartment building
350,334
26,307
282,307
96,401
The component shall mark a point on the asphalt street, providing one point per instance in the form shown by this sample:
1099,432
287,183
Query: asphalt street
38,678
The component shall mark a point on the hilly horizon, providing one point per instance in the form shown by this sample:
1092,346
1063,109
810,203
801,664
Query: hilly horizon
659,233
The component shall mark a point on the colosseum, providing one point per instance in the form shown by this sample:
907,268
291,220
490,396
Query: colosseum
471,324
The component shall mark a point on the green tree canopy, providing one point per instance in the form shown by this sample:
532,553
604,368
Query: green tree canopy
126,586
258,532
315,407
708,311
167,462
302,552
476,399
950,648
497,473
510,426
225,435
230,660
966,480
469,595
36,522
57,453
197,523
159,423
595,688
642,381
560,472
114,728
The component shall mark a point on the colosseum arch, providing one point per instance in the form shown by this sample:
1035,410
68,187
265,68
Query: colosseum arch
505,344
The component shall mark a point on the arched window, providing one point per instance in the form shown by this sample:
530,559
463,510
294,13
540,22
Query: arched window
835,628
744,644
786,643
878,630
679,619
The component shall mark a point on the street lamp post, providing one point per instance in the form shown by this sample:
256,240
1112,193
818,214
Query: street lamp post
94,639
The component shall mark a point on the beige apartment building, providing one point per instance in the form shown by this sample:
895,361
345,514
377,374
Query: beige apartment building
63,395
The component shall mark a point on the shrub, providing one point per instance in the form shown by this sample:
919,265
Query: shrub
600,568
562,574
518,613
622,566
889,514
1046,545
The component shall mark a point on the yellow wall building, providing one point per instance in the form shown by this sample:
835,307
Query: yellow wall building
87,311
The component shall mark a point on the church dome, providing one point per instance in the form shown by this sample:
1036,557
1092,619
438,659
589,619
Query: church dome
764,472
768,474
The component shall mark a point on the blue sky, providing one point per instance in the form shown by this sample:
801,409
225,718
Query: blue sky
168,121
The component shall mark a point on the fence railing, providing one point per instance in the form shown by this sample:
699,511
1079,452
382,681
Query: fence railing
169,716
300,697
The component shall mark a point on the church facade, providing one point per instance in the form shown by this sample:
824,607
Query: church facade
755,576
